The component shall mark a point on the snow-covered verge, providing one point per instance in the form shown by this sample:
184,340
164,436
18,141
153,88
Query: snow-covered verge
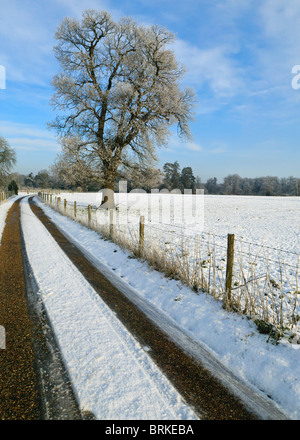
112,375
235,341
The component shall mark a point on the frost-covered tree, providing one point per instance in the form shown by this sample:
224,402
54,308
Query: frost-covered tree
232,184
13,186
7,159
42,179
187,178
171,175
73,169
118,90
142,177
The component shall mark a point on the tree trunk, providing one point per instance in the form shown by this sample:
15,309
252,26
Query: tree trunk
108,194
108,199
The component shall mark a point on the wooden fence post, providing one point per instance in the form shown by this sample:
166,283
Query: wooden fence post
229,266
50,199
111,222
58,202
65,205
75,209
89,215
142,232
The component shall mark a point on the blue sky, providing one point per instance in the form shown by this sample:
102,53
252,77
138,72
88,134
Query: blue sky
238,56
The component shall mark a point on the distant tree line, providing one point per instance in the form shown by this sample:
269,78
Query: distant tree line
78,176
47,179
233,184
73,170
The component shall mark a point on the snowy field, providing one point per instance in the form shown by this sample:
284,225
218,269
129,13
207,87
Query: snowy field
269,369
190,234
273,221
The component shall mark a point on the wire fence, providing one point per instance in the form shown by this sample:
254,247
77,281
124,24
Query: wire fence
253,279
5,195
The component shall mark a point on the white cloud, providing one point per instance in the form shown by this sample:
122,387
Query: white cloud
75,8
176,145
281,21
26,30
247,61
213,66
28,137
192,146
280,36
30,144
8,128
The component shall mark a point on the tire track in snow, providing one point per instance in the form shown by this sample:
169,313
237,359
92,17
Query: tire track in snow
107,381
199,388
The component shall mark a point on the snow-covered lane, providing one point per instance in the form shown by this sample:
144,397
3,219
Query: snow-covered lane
233,340
112,375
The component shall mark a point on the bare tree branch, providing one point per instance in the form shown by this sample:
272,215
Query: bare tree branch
118,88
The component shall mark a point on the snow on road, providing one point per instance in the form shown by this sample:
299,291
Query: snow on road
111,373
272,369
